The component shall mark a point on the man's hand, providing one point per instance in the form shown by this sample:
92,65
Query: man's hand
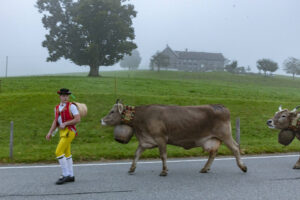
53,126
48,136
62,126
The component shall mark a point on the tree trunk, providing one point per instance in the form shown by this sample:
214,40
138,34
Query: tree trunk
94,71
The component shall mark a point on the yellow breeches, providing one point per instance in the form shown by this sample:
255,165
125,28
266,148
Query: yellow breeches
64,145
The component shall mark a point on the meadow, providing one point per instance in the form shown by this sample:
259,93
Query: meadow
29,102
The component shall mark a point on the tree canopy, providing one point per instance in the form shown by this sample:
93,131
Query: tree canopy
231,67
266,65
90,33
292,66
131,61
159,60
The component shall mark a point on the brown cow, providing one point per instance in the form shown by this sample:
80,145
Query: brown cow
186,126
288,121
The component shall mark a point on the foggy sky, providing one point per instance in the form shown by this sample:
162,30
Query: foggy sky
243,30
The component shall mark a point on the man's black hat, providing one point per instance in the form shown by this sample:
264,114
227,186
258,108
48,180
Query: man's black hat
64,91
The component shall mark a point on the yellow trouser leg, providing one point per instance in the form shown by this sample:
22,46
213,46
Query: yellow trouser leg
64,145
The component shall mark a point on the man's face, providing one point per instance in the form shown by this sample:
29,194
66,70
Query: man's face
64,98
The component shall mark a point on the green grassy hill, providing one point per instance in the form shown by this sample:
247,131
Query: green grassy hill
30,101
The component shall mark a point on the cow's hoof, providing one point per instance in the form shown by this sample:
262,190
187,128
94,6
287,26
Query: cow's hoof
130,172
296,166
163,173
244,169
204,170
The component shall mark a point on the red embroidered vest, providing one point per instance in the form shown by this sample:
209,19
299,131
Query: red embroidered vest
66,115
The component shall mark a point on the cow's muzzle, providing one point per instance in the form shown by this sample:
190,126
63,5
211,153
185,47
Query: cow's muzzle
103,122
270,123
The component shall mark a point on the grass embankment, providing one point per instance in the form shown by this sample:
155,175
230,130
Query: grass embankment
30,101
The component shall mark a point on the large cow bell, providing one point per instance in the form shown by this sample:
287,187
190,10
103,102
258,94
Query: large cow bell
285,137
123,133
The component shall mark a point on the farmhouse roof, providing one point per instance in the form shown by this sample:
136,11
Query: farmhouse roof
199,55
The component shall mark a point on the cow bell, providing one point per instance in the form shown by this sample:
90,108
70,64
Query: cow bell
123,133
285,137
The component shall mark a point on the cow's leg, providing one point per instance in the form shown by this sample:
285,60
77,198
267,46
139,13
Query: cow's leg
163,155
297,165
211,146
206,168
234,147
138,153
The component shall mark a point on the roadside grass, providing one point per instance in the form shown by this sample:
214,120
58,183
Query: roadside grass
30,101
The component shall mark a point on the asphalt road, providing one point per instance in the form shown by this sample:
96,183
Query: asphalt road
268,177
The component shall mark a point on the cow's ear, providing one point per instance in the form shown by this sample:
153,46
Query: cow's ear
292,116
120,108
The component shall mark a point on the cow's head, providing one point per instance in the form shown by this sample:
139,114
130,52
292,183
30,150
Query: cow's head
113,118
283,118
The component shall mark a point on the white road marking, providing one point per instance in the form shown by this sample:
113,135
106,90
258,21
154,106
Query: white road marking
150,162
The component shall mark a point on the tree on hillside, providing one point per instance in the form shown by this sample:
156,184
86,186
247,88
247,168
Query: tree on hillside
240,70
267,65
259,68
131,61
159,60
292,66
273,67
90,33
151,65
231,67
248,69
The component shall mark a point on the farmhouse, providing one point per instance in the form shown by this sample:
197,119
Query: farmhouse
194,61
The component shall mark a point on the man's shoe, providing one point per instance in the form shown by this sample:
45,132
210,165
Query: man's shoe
70,179
62,180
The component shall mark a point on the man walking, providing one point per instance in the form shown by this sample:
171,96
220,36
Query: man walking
66,117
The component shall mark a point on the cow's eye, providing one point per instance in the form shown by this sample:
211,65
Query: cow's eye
111,111
283,116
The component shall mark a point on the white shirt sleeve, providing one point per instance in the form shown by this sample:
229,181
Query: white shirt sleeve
74,110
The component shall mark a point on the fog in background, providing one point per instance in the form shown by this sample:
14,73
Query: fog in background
243,30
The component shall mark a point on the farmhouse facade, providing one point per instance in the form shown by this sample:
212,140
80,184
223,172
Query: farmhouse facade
194,61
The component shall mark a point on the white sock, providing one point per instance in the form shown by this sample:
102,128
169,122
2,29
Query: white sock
70,166
63,164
